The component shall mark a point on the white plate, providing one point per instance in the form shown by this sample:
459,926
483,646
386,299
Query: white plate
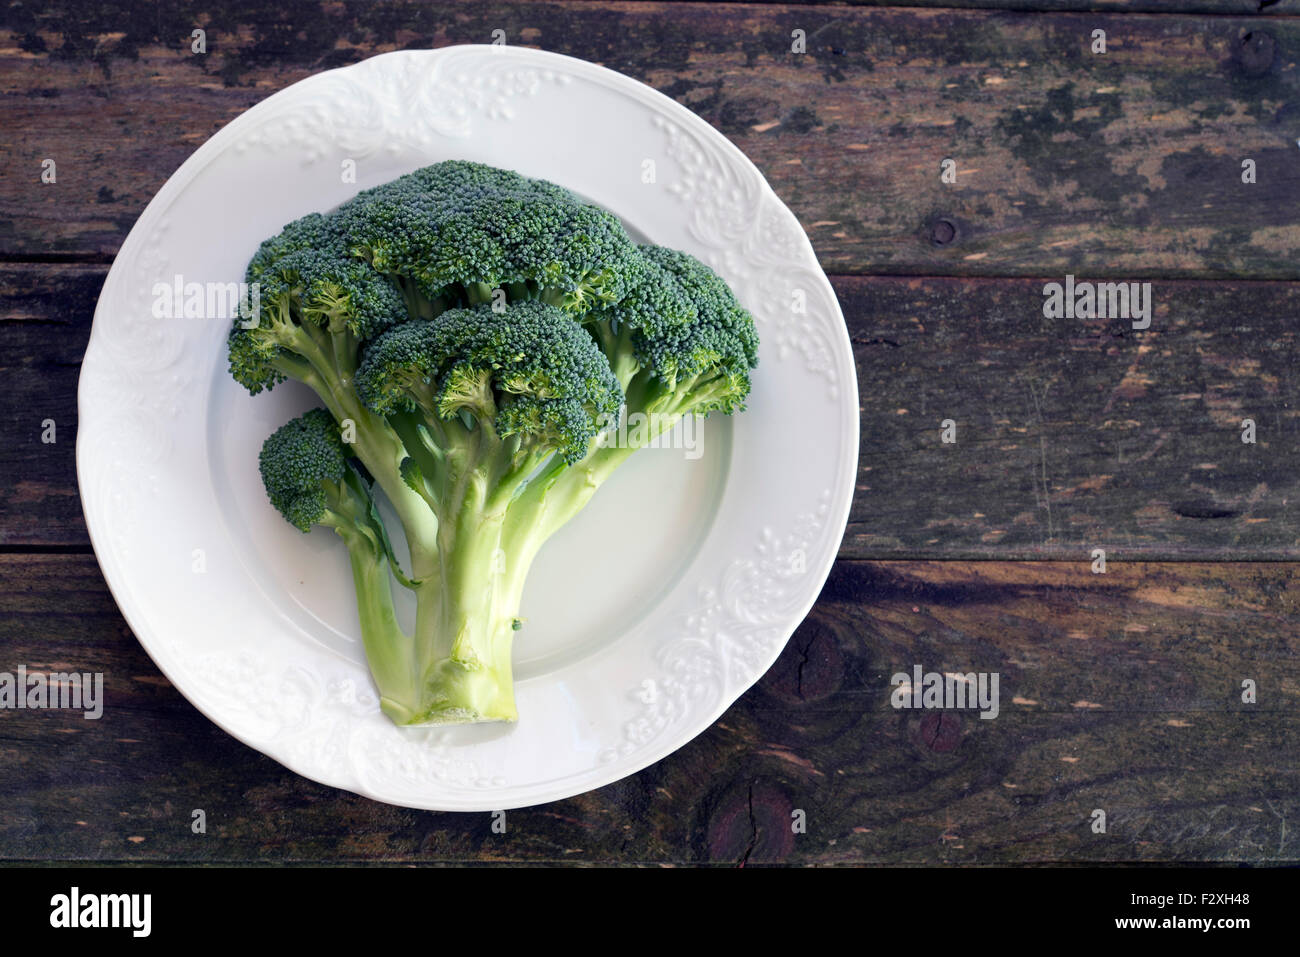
647,616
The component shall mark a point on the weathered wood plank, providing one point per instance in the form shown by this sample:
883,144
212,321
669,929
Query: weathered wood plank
1074,434
45,317
1118,691
1071,434
1127,163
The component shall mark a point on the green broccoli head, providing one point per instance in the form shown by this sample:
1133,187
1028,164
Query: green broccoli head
306,278
313,231
525,370
336,293
690,342
459,225
655,304
305,468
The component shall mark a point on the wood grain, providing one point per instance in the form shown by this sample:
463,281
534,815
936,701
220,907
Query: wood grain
1074,434
1071,434
45,316
1122,164
1119,691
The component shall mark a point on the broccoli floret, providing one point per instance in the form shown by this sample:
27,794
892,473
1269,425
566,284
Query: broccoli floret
311,479
680,343
316,306
526,372
701,365
482,397
473,335
305,471
458,230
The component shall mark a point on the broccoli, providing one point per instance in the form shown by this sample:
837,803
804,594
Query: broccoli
474,335
312,479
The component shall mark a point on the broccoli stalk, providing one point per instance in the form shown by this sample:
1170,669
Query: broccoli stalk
311,479
467,614
472,334
388,650
482,399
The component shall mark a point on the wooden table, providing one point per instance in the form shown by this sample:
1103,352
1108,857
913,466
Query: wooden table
1121,691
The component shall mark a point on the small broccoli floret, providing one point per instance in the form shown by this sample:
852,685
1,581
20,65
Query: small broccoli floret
680,341
317,305
681,344
311,232
701,365
305,471
473,333
526,371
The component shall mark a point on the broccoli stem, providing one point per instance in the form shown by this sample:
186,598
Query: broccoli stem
473,539
552,296
465,628
559,492
619,349
418,306
466,612
456,666
548,502
478,293
374,442
388,649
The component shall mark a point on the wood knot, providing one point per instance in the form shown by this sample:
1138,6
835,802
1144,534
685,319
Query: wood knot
1255,51
943,232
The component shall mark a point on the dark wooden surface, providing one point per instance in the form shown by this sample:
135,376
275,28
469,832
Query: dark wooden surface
1120,691
1125,164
